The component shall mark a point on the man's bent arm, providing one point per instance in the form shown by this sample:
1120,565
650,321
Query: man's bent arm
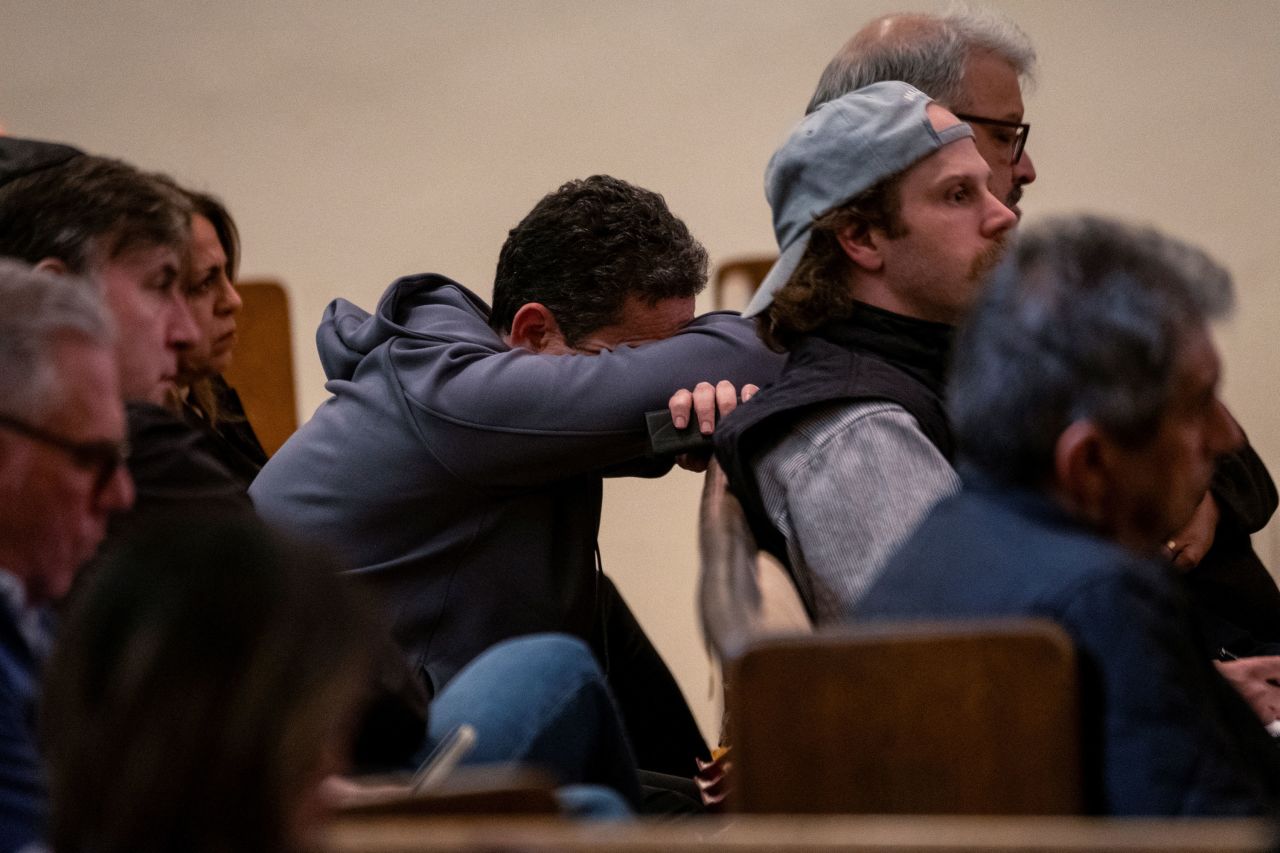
567,415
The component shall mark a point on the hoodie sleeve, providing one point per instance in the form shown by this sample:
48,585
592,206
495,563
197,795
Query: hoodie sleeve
503,417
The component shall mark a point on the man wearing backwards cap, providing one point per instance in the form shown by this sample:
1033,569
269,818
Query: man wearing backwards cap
975,62
887,229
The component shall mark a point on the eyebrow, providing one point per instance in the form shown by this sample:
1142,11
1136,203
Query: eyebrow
948,178
1011,115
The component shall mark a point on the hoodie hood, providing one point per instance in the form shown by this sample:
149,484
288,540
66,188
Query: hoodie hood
348,333
19,157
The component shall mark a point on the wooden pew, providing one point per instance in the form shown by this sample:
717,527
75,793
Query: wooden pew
262,369
962,718
808,834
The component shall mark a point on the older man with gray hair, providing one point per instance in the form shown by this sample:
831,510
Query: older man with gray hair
972,61
1085,412
62,475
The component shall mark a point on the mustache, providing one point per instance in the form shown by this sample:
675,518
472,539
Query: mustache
985,262
1015,196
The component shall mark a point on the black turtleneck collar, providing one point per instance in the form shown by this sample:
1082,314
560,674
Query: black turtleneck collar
922,347
873,355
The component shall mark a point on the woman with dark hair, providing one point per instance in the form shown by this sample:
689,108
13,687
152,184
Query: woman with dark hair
206,400
206,683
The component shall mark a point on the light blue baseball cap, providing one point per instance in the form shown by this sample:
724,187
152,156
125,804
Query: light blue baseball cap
846,146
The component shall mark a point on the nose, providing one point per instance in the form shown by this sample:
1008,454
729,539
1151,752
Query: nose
1024,171
997,218
1225,434
118,494
182,329
229,301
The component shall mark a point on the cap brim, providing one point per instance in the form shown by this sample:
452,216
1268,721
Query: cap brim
778,276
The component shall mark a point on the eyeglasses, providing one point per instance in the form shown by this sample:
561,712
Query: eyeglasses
1021,130
104,457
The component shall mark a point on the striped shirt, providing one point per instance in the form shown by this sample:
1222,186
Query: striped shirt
845,486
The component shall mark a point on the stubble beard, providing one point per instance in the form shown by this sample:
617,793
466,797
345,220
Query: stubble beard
987,260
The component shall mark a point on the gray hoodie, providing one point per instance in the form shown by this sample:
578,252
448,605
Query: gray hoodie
461,477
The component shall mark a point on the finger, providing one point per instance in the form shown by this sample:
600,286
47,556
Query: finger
749,391
704,406
726,397
1266,670
679,406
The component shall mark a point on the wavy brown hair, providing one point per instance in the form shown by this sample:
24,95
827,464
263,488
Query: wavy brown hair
818,291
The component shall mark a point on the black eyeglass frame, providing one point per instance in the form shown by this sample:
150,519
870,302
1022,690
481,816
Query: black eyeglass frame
1019,140
106,457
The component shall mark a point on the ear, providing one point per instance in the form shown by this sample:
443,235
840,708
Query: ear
1082,471
534,328
860,245
52,265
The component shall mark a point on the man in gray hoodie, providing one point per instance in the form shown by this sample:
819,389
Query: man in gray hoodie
459,462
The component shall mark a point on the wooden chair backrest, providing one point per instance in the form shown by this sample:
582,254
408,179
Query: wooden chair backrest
736,279
941,718
262,369
743,593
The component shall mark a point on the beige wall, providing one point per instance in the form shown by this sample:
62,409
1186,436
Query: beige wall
358,142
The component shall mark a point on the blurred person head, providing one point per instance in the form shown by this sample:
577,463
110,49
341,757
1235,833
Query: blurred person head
62,428
204,685
1088,372
597,264
120,228
972,61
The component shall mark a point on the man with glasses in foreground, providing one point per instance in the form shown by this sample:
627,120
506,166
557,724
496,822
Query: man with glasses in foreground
62,449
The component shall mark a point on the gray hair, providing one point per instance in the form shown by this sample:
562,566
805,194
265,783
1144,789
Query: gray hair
929,52
38,309
1085,320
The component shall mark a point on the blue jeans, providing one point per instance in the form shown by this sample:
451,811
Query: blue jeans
539,700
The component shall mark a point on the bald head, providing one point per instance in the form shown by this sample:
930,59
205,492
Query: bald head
972,62
894,30
927,51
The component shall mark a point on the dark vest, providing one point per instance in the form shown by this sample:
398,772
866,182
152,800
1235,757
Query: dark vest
874,355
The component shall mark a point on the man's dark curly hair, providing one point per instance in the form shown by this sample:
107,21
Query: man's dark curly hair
586,247
818,291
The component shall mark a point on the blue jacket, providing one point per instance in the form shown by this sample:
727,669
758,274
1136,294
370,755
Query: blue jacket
1163,733
22,789
462,478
